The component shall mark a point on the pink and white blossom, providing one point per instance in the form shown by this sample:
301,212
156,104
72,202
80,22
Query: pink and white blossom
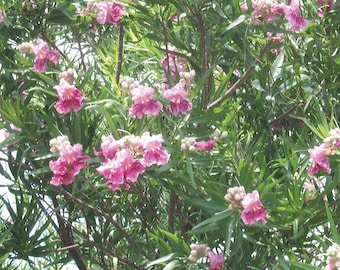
144,102
263,11
197,251
321,161
122,170
333,257
43,56
205,145
177,96
70,98
154,153
1,17
292,14
69,163
235,196
125,159
216,260
253,209
109,12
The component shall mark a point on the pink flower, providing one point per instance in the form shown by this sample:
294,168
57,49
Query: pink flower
244,6
321,161
177,96
123,169
68,165
1,17
253,209
291,12
70,98
43,56
143,102
216,260
109,12
126,159
333,257
263,11
205,145
154,152
110,146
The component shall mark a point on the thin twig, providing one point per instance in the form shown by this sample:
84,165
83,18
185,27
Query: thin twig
120,52
105,215
241,80
66,236
82,56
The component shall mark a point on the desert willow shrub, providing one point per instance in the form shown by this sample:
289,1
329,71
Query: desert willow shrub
137,132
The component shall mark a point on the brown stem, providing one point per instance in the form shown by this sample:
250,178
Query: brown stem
80,48
241,80
120,52
282,116
204,60
65,233
172,209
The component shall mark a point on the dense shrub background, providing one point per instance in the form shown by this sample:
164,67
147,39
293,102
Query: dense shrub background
283,105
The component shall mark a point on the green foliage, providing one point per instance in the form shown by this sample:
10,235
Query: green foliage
271,106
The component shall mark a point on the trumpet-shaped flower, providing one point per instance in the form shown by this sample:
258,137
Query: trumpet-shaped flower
333,257
70,98
154,152
216,260
143,102
43,55
253,209
109,12
321,161
123,169
263,11
177,96
291,12
70,162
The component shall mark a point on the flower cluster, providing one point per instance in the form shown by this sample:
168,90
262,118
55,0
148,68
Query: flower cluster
144,102
70,98
235,196
217,135
266,11
70,161
1,17
43,55
198,251
67,75
319,154
127,158
333,257
201,250
109,12
253,209
190,144
104,12
128,83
